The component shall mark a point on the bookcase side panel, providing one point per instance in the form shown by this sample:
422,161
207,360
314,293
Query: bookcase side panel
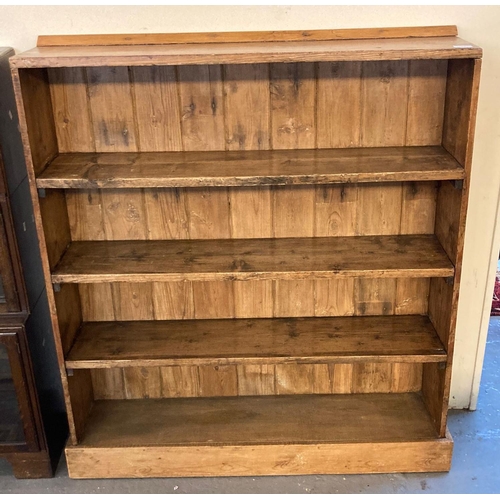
458,135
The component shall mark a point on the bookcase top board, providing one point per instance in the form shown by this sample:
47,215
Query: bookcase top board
436,42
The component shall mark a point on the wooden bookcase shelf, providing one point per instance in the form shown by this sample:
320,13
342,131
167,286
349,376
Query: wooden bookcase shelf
252,244
393,339
283,426
414,256
249,168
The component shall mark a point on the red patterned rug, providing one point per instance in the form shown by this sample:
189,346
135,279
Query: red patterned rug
495,305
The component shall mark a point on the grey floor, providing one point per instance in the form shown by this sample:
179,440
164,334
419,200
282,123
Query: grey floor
475,468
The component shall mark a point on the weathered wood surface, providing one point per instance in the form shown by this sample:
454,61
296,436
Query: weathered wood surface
249,168
241,341
458,138
433,455
249,107
245,36
253,259
258,420
447,47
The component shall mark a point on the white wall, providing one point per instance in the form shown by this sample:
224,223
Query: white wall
19,27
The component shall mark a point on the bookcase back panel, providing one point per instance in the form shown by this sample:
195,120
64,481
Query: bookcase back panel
281,211
252,380
249,107
253,299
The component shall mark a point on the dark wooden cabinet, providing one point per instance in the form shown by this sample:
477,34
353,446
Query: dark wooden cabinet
17,425
23,440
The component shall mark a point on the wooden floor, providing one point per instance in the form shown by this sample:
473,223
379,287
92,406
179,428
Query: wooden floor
254,341
250,259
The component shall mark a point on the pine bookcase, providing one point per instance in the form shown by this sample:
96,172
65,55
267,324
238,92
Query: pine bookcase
252,244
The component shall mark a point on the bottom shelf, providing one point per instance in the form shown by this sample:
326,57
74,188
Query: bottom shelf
269,435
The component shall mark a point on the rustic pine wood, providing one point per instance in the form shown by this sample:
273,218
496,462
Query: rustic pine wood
258,420
245,36
199,108
458,138
156,170
248,53
237,189
252,259
335,438
409,339
264,460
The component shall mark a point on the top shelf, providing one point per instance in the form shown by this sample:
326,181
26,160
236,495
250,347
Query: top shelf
440,47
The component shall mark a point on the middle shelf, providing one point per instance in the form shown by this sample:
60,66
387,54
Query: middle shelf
249,168
410,339
253,259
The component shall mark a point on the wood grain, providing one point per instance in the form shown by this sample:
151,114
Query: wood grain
293,101
410,339
72,114
286,419
249,53
458,136
285,258
339,104
245,36
35,111
432,455
201,101
426,98
156,102
385,102
249,168
246,106
112,109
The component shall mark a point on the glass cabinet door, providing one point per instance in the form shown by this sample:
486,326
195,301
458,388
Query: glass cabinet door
9,300
17,430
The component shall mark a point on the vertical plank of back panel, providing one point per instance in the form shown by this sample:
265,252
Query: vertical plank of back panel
426,93
156,103
85,214
335,215
339,105
112,109
293,101
97,301
385,101
124,214
201,107
207,214
180,381
293,88
70,105
108,383
418,210
256,380
142,382
293,125
247,114
166,213
379,209
303,379
133,301
173,300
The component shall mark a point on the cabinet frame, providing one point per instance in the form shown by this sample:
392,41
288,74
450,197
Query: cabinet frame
53,174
